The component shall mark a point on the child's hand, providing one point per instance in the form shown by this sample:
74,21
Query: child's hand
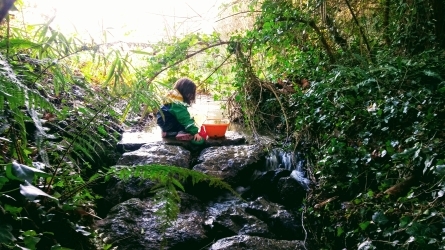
197,137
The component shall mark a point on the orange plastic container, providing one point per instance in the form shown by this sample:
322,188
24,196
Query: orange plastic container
216,127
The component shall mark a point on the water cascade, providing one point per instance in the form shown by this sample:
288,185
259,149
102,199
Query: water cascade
290,161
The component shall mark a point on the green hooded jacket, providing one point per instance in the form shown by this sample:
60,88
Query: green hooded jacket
178,108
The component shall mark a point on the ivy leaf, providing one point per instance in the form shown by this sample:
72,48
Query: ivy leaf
440,169
31,242
5,234
379,218
366,245
31,192
432,74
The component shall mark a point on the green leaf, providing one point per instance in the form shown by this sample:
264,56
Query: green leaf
364,225
102,130
178,184
6,235
340,231
31,192
440,169
404,221
432,74
30,242
3,180
30,233
13,210
379,218
23,172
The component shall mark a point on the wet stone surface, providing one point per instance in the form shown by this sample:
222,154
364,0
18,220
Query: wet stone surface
134,140
245,242
233,164
134,225
209,217
157,153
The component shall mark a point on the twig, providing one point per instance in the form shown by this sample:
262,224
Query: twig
213,72
360,28
242,12
185,58
282,108
304,229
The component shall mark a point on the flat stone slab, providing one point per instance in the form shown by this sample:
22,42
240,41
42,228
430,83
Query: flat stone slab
157,153
132,141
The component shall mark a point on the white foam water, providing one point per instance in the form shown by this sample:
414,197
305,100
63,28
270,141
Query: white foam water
291,161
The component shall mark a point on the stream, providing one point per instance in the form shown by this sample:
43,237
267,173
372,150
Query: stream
204,108
270,182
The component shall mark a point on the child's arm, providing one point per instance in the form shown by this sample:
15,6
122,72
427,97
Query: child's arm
183,116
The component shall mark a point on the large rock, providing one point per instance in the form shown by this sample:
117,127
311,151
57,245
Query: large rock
132,141
232,164
229,218
277,186
257,218
244,242
119,191
157,153
134,225
230,139
284,224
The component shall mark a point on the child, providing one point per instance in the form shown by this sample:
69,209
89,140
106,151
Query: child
174,118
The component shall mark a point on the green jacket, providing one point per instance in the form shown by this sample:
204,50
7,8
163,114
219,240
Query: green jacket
178,108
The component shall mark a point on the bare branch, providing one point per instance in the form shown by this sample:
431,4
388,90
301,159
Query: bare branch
185,58
239,13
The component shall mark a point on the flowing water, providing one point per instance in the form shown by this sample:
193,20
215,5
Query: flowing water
204,108
291,161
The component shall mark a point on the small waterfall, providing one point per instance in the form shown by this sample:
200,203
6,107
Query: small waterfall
291,161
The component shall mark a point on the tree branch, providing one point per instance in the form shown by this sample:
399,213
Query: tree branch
359,27
314,26
219,66
239,13
185,58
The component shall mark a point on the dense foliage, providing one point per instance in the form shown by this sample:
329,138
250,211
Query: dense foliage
357,86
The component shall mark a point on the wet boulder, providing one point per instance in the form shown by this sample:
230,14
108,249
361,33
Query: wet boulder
232,164
231,138
119,191
282,223
256,218
134,224
290,192
245,242
132,140
277,186
265,183
229,218
157,153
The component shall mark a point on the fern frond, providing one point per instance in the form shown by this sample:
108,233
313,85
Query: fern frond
168,179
